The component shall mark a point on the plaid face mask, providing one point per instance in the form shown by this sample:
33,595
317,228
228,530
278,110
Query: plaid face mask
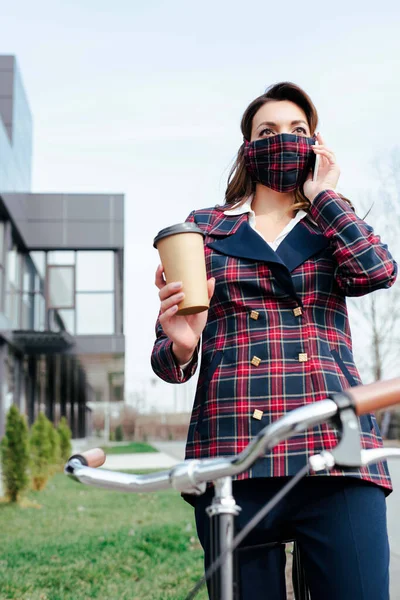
281,162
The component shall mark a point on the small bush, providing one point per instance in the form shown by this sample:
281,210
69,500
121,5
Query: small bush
15,454
41,452
65,435
119,434
55,460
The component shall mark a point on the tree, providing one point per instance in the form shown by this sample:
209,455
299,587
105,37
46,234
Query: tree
119,434
55,459
41,452
129,418
15,454
376,315
65,435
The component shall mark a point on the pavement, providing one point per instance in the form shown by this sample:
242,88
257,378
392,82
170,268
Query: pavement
169,454
146,460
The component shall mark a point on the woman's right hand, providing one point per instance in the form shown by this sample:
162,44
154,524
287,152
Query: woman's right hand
185,330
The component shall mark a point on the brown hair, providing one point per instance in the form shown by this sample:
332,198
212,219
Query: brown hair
240,184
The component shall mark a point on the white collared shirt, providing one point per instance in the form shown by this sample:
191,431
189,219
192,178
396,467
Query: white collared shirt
246,208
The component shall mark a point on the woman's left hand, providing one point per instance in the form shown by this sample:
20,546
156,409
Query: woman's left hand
328,171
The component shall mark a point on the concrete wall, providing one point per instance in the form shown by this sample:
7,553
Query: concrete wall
63,221
98,344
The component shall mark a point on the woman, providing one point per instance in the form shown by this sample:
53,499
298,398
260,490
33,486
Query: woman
282,254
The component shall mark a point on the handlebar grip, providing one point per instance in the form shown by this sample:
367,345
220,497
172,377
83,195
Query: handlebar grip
373,396
94,458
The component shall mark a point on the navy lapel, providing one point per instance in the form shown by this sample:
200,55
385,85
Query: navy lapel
246,243
300,244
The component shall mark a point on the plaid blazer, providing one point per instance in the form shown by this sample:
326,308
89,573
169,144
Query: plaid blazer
277,335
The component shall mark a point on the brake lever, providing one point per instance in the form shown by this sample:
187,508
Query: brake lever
326,459
349,452
374,455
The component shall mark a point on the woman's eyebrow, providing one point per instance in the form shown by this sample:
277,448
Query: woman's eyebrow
272,124
298,122
269,123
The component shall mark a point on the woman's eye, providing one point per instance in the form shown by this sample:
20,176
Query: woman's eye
301,130
266,132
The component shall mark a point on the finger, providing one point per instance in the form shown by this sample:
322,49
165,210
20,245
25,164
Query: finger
169,289
168,314
327,153
171,301
320,139
321,147
159,278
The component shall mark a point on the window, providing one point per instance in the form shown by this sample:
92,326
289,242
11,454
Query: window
68,319
94,313
39,313
61,257
95,293
1,243
39,260
13,296
80,290
95,271
60,286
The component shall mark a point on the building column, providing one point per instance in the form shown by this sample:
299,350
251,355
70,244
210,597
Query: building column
63,366
17,375
31,388
73,395
81,403
51,387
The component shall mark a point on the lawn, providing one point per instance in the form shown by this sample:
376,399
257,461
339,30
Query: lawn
88,543
131,448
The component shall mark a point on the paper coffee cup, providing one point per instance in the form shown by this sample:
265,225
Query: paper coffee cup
181,250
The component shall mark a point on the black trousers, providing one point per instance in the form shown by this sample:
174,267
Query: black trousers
340,526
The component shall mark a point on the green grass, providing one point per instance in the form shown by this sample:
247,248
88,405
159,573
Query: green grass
131,448
88,543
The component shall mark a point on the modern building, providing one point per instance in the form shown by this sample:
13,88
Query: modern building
61,283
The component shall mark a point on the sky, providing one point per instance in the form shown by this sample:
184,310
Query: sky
145,99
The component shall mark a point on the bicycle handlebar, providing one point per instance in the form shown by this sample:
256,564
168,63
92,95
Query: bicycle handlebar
374,396
93,458
191,476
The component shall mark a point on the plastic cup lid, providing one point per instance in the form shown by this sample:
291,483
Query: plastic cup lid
179,228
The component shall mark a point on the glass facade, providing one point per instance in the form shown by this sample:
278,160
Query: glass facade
61,286
15,155
95,271
50,291
2,255
13,287
81,287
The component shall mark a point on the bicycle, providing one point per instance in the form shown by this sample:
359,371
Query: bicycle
191,476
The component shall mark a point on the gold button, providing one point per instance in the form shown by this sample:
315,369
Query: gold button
297,311
303,357
257,414
255,361
254,315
